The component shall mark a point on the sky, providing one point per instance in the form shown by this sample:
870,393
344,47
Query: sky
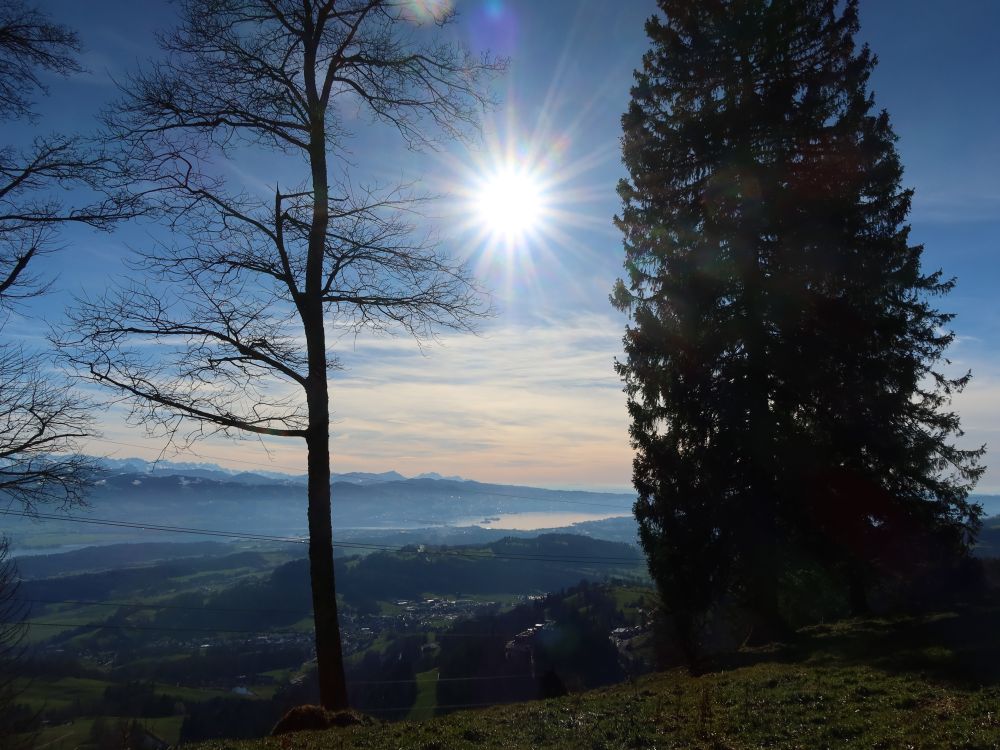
533,398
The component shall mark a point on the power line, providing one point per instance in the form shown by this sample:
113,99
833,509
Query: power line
231,631
142,605
118,626
158,628
223,610
170,607
249,536
449,705
485,678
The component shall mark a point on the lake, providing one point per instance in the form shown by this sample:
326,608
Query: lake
534,520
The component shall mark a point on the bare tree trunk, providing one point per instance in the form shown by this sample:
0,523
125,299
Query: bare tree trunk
329,658
329,652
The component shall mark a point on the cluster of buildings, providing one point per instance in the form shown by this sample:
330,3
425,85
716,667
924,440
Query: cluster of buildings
409,616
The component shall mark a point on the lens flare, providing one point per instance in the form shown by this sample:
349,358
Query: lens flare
510,202
427,11
524,210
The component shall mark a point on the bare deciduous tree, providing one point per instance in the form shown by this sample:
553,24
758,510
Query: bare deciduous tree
13,631
227,331
41,422
41,418
52,182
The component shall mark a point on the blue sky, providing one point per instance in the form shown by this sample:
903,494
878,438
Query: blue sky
533,399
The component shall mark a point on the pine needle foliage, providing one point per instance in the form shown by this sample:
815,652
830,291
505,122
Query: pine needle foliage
784,358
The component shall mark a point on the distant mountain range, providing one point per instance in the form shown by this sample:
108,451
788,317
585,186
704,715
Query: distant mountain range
214,471
197,496
427,508
990,503
208,497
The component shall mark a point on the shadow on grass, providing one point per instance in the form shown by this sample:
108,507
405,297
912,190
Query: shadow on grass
961,646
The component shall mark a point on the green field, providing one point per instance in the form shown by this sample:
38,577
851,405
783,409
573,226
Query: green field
40,693
423,707
64,736
53,621
69,736
62,692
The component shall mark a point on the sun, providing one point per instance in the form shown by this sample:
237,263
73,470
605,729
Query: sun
510,203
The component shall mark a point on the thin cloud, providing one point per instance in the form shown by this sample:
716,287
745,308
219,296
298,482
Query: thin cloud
538,404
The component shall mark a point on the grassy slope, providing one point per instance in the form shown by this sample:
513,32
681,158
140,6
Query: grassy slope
70,736
926,682
62,692
423,706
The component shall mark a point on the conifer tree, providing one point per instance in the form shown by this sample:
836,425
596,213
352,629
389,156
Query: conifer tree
782,359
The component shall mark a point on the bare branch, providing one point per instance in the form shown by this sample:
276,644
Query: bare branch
218,370
41,424
251,275
30,214
41,419
30,42
229,332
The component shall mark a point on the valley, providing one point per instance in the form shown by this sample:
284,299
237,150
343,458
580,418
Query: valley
187,637
200,639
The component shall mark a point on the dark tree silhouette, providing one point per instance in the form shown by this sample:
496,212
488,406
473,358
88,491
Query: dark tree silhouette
780,361
13,630
30,42
237,310
41,419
